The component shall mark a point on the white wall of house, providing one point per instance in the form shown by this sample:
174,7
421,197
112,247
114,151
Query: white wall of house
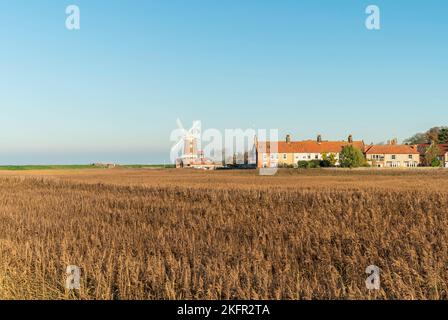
394,160
307,156
273,159
376,159
264,159
311,156
270,160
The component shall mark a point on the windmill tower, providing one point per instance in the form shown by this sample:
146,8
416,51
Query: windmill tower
190,146
188,143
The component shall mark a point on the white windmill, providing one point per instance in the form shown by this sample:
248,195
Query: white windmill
187,141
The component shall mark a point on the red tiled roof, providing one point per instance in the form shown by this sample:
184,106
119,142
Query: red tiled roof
309,146
392,149
442,147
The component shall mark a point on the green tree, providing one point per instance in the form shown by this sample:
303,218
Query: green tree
435,134
443,135
432,155
329,159
417,139
352,157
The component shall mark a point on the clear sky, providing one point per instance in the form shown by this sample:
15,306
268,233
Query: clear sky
113,90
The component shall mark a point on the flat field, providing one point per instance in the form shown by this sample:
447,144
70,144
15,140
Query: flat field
187,234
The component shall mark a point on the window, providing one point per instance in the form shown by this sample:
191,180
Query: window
410,156
316,156
394,157
394,164
284,156
378,157
264,156
309,156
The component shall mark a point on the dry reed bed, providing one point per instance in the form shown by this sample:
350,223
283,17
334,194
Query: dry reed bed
398,179
173,242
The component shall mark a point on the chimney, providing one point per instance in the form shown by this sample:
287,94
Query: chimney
350,139
393,141
288,138
319,138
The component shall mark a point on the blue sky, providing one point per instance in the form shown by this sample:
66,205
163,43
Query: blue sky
113,90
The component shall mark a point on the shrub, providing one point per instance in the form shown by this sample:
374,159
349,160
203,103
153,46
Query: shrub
436,162
302,164
330,160
325,163
352,157
314,164
432,155
285,165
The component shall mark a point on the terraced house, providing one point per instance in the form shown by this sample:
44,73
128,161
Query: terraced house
392,155
289,152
